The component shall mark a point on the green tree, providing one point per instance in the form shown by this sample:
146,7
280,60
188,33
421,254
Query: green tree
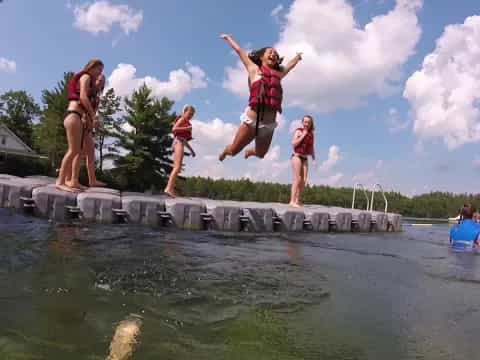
18,110
109,106
143,145
50,133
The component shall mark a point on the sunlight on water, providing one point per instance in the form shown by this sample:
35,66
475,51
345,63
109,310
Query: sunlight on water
90,292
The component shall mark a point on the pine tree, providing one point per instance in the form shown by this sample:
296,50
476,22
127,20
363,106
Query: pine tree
142,160
50,133
109,106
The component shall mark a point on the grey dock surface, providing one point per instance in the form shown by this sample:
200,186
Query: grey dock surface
38,196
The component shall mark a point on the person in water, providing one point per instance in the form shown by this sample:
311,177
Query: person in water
80,92
182,134
303,147
259,121
466,235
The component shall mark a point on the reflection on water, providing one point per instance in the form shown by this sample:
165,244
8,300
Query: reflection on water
102,292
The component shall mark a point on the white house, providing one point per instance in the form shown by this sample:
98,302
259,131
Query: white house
12,144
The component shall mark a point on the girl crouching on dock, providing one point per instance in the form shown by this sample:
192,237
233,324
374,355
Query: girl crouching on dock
182,134
303,147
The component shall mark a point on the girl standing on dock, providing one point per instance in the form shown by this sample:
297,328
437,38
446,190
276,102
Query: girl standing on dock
89,141
79,94
182,134
303,147
259,121
89,136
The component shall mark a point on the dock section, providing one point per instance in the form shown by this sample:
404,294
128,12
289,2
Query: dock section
38,196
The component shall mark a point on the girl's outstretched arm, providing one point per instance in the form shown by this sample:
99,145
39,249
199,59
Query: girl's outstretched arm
291,64
189,147
249,64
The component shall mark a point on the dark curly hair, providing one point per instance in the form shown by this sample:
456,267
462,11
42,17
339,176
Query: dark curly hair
256,57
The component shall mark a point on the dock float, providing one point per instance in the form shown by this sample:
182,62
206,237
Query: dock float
37,195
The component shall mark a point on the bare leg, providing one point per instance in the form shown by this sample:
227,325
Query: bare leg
73,128
90,159
77,162
262,145
125,338
177,166
192,152
303,183
244,136
297,179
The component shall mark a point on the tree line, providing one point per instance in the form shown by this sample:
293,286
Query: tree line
135,143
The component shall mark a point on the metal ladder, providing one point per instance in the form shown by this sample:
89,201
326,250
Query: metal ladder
360,186
378,187
370,202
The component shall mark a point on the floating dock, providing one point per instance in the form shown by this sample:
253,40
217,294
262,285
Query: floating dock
38,196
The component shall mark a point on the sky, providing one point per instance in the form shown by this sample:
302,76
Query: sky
392,84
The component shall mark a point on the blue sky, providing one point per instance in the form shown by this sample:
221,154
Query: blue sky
376,120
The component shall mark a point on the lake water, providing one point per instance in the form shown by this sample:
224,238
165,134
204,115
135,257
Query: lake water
65,288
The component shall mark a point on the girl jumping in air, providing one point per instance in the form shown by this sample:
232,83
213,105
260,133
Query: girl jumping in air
80,91
259,121
303,146
182,134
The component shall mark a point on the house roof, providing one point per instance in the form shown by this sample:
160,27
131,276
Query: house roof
25,151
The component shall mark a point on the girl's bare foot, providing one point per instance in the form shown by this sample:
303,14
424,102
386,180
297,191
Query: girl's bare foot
249,152
76,185
63,187
97,183
293,204
170,193
223,155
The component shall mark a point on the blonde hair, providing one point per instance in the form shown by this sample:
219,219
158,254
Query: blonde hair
312,128
188,107
92,63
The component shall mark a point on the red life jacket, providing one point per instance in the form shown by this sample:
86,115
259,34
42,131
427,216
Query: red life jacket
183,134
305,148
74,87
267,90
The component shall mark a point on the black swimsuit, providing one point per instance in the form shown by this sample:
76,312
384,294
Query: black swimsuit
83,127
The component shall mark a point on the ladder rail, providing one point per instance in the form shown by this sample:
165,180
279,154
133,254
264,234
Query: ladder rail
380,189
360,186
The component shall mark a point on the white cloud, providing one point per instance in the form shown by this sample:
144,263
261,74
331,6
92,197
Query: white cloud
180,82
324,174
8,66
210,138
342,63
333,158
394,122
271,168
276,12
366,178
101,16
294,125
334,180
445,94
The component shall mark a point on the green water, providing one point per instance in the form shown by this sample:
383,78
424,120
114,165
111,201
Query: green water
64,289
